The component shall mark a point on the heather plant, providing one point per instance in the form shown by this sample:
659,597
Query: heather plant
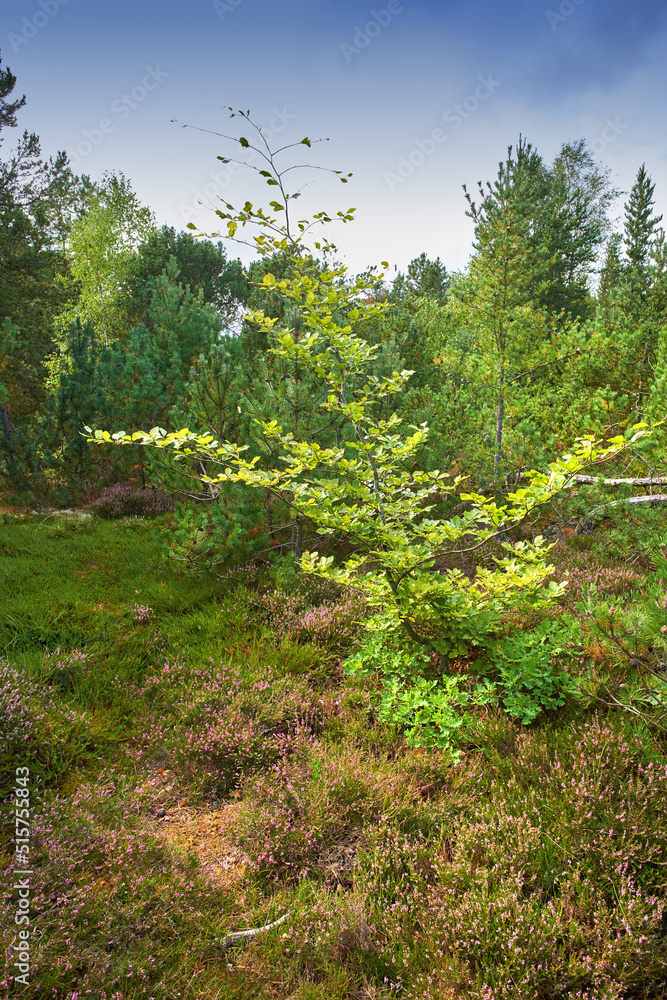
19,721
251,576
578,567
330,622
104,895
225,725
36,729
63,670
333,943
296,814
142,613
125,500
563,836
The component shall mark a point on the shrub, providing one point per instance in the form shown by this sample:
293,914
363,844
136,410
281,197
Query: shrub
122,500
251,576
530,667
581,567
430,708
548,883
225,534
18,722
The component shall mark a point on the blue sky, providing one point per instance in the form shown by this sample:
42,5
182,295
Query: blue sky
416,98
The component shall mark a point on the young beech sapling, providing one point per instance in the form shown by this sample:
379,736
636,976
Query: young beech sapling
366,487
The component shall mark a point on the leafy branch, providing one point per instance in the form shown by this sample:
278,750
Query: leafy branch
287,234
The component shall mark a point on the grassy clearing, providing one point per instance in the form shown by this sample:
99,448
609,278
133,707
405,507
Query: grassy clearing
200,765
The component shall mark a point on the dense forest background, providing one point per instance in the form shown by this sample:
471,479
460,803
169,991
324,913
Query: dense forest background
556,328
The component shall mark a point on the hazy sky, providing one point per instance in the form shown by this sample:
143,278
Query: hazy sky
417,97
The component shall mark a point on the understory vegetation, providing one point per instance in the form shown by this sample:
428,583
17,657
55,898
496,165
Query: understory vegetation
333,631
210,754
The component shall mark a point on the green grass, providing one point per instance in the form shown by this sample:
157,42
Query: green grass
532,867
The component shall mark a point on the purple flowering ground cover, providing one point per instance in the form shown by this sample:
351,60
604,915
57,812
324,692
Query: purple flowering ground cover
127,500
201,764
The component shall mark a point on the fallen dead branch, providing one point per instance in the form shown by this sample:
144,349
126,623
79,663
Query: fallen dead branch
231,939
646,481
599,513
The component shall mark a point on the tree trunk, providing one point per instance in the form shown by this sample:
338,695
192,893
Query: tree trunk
12,467
269,517
104,315
6,422
658,498
500,413
298,546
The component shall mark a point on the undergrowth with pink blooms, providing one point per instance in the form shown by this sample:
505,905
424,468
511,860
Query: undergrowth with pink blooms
527,859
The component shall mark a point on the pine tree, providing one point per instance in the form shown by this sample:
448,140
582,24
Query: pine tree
143,377
610,279
632,301
201,264
37,201
8,109
506,274
640,225
424,279
76,401
575,220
